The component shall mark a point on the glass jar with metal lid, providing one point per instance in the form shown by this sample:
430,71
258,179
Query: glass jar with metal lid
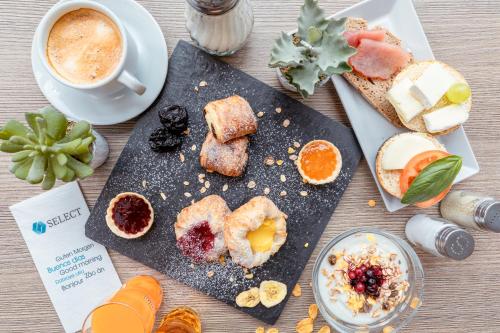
220,27
472,210
439,237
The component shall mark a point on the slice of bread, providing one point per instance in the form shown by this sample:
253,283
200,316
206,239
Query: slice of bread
389,179
374,90
413,72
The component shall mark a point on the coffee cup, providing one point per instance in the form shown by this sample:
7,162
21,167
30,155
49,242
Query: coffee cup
83,45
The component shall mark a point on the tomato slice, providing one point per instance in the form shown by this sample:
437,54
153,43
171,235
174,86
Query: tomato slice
414,167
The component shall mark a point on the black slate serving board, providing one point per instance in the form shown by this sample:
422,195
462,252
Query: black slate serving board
307,216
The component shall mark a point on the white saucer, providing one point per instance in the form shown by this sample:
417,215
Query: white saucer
148,60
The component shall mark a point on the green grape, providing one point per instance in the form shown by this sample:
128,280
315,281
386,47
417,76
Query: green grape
458,93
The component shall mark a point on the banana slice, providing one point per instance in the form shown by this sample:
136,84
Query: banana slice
272,293
249,298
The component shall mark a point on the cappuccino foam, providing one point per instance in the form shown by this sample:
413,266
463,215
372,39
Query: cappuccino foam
84,46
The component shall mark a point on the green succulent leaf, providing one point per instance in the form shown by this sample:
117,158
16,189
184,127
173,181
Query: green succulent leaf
62,159
9,147
20,155
41,126
70,176
20,140
34,153
80,130
85,158
68,147
81,170
311,15
22,169
50,179
304,78
37,170
84,147
334,53
56,122
31,120
285,53
336,27
314,35
14,166
12,127
60,170
343,67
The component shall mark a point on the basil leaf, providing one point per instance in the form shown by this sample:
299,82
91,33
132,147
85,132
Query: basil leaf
433,179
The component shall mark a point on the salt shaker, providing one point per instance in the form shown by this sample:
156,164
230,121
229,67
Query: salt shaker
220,27
472,210
439,237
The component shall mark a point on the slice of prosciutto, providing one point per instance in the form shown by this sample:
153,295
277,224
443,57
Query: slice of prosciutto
379,60
354,37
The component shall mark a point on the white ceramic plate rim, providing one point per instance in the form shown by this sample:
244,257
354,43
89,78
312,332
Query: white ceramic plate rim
124,104
400,17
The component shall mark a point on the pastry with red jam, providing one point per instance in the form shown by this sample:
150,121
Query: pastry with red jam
129,215
199,229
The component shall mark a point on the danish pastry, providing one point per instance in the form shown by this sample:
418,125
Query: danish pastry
129,215
255,231
199,229
230,118
228,158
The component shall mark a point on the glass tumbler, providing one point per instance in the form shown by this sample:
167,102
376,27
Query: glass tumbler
132,309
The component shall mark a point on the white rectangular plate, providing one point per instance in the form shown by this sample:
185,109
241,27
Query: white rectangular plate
371,128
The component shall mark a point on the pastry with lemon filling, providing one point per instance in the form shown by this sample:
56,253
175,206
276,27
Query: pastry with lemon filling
255,231
199,229
319,162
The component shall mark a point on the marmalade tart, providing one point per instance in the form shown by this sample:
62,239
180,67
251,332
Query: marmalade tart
319,162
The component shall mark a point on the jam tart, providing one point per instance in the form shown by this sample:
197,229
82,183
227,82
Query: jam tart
129,215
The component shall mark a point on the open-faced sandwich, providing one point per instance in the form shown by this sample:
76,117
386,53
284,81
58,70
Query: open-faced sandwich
416,168
378,60
430,96
427,96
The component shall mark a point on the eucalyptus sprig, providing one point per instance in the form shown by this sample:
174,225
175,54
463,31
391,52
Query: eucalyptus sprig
318,49
48,150
433,179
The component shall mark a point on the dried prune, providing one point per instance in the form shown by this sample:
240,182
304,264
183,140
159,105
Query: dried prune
162,140
174,118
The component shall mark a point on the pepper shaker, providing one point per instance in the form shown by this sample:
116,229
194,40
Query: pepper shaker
472,210
220,27
439,237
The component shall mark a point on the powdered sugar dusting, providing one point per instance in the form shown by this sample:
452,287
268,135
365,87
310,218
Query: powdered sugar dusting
165,173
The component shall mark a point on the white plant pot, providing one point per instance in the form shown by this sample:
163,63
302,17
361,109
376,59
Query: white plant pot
100,151
288,86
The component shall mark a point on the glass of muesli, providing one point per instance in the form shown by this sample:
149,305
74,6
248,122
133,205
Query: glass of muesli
368,280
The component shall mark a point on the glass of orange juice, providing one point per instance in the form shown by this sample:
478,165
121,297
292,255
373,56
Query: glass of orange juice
132,309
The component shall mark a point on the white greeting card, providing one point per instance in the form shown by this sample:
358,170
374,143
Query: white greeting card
76,271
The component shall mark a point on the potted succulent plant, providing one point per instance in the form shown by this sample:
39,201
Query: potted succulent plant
317,50
50,148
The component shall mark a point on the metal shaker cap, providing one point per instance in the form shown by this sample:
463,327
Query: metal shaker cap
455,243
487,215
213,7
